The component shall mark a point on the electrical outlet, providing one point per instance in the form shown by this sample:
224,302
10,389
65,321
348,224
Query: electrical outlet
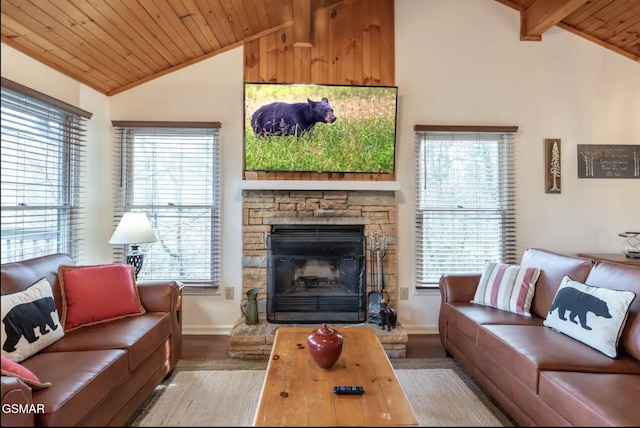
228,293
404,293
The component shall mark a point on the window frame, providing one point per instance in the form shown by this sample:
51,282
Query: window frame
124,192
56,138
450,258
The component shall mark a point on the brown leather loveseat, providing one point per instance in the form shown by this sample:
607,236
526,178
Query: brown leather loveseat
540,376
99,374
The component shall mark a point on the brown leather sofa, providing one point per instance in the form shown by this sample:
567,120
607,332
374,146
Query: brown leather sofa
539,376
99,374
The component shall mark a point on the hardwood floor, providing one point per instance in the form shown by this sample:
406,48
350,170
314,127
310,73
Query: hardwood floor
216,347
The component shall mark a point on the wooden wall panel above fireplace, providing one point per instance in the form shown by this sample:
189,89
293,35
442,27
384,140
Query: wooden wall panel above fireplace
351,42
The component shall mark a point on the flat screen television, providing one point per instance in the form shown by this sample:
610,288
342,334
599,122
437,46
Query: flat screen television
320,128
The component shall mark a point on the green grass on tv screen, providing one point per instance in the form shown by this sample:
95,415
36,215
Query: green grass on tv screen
361,140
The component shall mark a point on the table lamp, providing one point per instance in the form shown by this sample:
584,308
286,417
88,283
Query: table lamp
134,229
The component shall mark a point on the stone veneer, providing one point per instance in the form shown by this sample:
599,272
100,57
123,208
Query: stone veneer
261,209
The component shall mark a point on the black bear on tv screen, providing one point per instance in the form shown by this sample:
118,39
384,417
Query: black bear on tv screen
280,118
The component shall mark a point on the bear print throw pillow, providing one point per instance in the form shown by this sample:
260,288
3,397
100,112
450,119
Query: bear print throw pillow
30,321
593,315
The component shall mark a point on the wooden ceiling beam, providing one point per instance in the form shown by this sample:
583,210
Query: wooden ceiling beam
302,26
541,15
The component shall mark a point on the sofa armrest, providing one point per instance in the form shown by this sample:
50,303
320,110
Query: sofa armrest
159,295
455,287
458,287
17,403
162,296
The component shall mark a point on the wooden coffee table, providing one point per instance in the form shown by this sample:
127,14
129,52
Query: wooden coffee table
296,392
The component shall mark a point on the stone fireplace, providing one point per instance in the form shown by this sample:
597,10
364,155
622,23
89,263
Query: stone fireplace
372,211
319,280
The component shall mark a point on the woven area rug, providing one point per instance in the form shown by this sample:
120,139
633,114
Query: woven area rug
226,393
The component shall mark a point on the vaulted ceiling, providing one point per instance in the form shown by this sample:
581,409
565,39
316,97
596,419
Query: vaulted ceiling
114,45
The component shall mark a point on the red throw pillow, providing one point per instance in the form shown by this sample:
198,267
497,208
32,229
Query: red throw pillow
11,368
95,294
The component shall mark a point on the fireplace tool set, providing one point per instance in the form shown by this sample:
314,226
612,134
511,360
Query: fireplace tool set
377,298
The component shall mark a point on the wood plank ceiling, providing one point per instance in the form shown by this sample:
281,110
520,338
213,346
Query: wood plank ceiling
114,45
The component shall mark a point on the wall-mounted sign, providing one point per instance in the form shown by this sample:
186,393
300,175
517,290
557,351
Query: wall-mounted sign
608,161
552,181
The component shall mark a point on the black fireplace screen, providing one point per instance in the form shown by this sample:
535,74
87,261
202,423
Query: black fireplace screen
316,274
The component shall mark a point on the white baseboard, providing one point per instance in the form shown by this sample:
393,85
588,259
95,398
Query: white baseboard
207,330
420,329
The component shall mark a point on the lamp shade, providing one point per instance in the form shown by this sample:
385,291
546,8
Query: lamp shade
134,228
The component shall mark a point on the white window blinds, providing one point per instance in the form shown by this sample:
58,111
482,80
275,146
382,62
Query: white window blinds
42,179
465,199
171,172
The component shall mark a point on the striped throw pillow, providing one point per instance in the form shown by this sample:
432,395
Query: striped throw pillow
507,287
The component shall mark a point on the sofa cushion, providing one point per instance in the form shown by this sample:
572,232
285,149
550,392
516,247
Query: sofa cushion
11,368
593,315
17,276
622,277
553,267
80,381
526,350
578,397
96,294
468,317
506,287
30,320
139,336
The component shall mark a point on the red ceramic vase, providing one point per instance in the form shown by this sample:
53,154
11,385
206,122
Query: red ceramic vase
325,346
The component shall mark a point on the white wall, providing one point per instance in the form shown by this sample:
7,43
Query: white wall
457,62
211,90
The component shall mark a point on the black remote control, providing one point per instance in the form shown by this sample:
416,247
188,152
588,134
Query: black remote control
348,390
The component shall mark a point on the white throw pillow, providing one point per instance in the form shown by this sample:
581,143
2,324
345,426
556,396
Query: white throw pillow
593,315
30,321
507,287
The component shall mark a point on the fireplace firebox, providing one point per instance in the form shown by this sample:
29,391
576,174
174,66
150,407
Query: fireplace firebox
316,273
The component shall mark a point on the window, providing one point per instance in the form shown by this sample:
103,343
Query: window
465,199
171,172
42,162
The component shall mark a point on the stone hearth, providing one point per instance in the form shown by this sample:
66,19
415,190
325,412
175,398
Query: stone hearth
254,342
